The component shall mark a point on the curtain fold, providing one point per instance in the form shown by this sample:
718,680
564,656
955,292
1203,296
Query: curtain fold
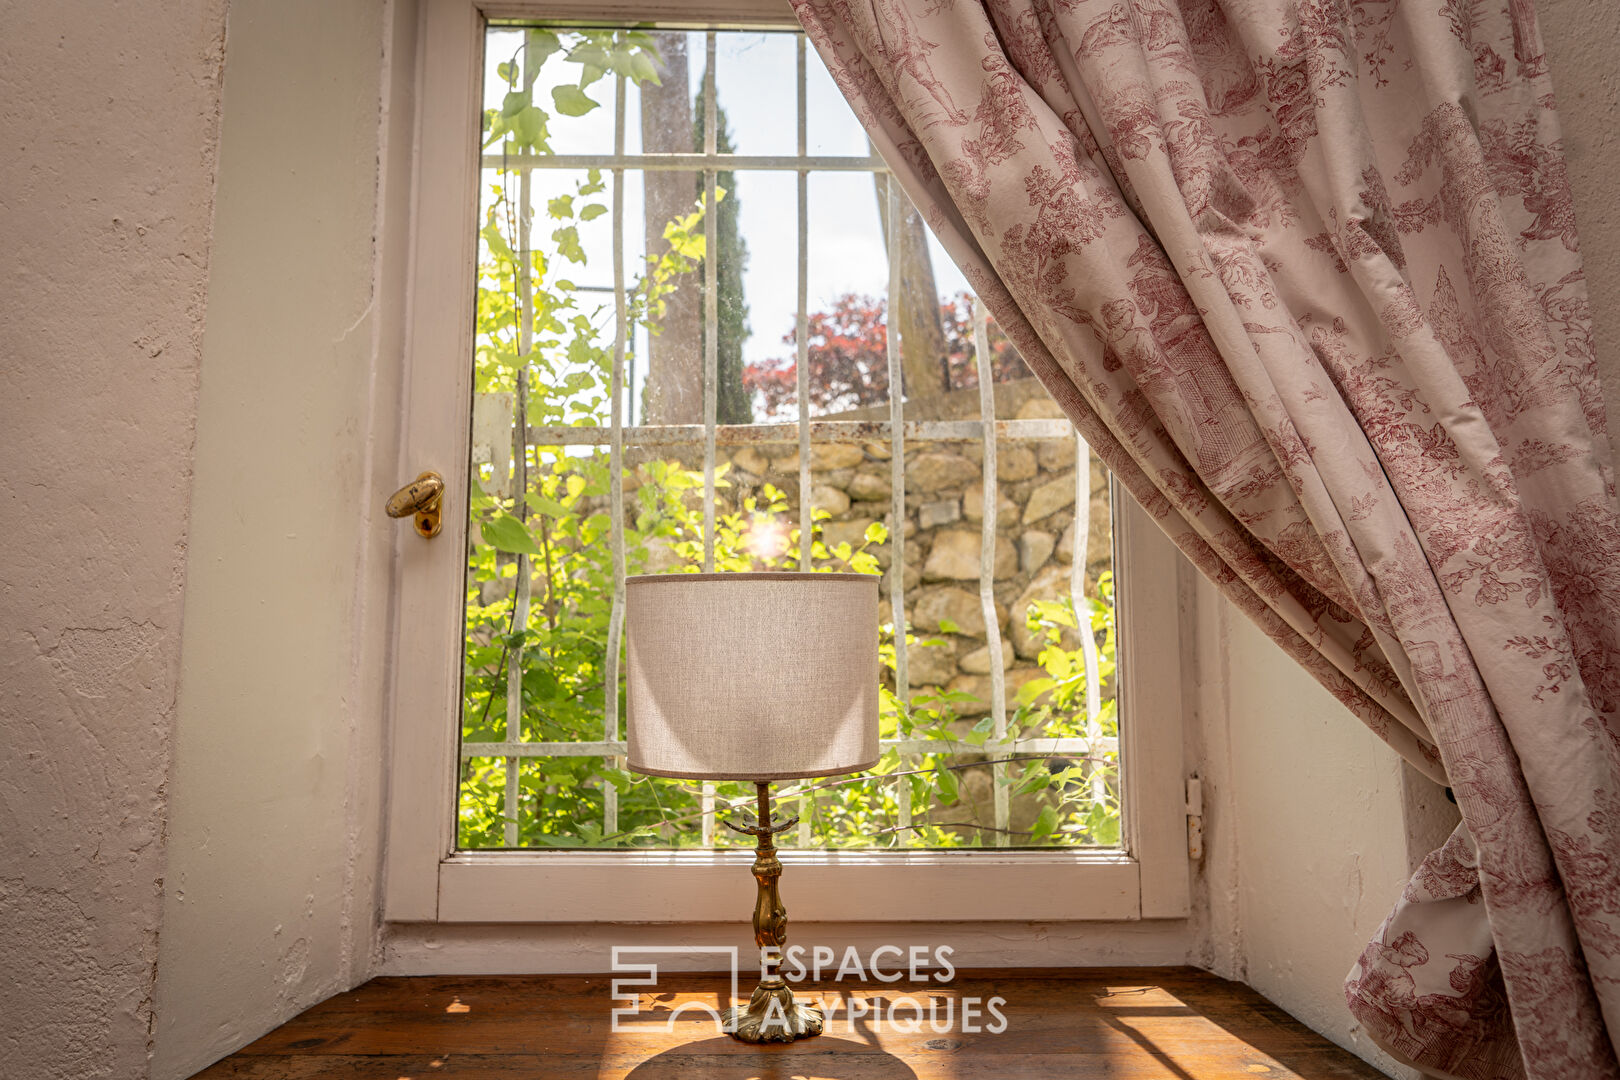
1304,273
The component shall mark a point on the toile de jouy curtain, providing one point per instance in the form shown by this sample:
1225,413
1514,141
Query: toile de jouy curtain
1304,273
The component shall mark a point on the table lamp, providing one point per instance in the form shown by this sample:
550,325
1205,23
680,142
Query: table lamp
754,677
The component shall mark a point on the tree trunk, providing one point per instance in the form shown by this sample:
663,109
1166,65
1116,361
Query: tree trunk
922,333
674,387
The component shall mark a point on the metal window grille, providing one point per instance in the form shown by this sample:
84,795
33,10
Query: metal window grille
805,432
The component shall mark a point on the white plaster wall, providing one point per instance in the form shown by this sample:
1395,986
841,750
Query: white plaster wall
1305,828
274,828
107,137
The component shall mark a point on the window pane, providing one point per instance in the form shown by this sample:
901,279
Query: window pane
540,544
754,80
831,124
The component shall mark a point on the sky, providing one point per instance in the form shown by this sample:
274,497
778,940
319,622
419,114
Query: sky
754,82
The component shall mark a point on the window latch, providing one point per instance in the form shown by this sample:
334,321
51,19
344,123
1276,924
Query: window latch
422,497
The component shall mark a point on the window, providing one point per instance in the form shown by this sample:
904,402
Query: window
596,181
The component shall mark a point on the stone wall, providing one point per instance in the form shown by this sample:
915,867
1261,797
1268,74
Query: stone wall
944,519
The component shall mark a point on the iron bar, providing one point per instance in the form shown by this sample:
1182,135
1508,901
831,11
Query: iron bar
897,478
821,431
711,341
1075,745
610,695
987,561
685,162
801,373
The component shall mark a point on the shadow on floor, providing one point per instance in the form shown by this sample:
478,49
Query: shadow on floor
724,1059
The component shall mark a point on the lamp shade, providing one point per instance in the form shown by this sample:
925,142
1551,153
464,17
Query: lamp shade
752,676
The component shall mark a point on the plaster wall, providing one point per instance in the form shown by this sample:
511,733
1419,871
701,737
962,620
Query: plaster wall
274,827
1305,827
109,130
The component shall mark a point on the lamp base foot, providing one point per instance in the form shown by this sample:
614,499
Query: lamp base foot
772,1015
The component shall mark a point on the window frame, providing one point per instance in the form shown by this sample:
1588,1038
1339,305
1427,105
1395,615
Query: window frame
427,880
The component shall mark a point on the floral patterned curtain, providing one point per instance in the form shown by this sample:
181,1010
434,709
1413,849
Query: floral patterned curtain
1305,274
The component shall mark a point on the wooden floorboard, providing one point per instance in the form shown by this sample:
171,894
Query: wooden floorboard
1086,1024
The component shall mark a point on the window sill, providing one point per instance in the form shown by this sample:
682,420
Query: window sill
833,886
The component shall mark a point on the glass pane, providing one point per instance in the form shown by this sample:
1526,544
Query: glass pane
754,88
833,130
661,116
540,549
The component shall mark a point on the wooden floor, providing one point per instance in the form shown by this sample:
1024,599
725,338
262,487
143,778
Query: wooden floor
1118,1023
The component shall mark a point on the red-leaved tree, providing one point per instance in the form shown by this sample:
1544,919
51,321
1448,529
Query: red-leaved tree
1006,364
848,355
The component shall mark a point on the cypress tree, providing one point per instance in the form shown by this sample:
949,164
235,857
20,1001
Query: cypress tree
733,404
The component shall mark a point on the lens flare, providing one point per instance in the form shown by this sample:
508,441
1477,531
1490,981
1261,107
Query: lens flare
767,538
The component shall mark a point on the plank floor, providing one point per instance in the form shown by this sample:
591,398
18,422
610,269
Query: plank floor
1114,1023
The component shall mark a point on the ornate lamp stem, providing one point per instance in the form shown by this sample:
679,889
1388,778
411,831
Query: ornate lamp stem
772,1014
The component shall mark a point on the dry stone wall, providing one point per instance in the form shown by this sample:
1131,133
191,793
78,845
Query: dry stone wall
944,517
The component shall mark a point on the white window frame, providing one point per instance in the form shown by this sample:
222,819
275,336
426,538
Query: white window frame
427,880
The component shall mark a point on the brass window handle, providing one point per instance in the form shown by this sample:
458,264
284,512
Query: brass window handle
423,497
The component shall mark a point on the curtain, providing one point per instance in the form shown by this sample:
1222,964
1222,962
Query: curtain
1305,274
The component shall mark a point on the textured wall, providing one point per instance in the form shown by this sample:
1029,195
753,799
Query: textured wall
1305,827
274,828
106,182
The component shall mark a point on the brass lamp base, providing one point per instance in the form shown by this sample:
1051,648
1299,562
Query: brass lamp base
772,1016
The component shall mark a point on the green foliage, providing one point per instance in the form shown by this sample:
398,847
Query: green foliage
558,530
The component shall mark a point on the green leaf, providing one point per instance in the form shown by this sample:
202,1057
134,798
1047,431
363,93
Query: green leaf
568,247
561,207
592,212
497,243
515,102
549,507
948,788
1046,824
980,732
948,626
530,125
1034,689
876,533
542,43
642,70
506,533
571,100
1106,828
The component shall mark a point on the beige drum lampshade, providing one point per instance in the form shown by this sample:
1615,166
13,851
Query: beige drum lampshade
752,676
